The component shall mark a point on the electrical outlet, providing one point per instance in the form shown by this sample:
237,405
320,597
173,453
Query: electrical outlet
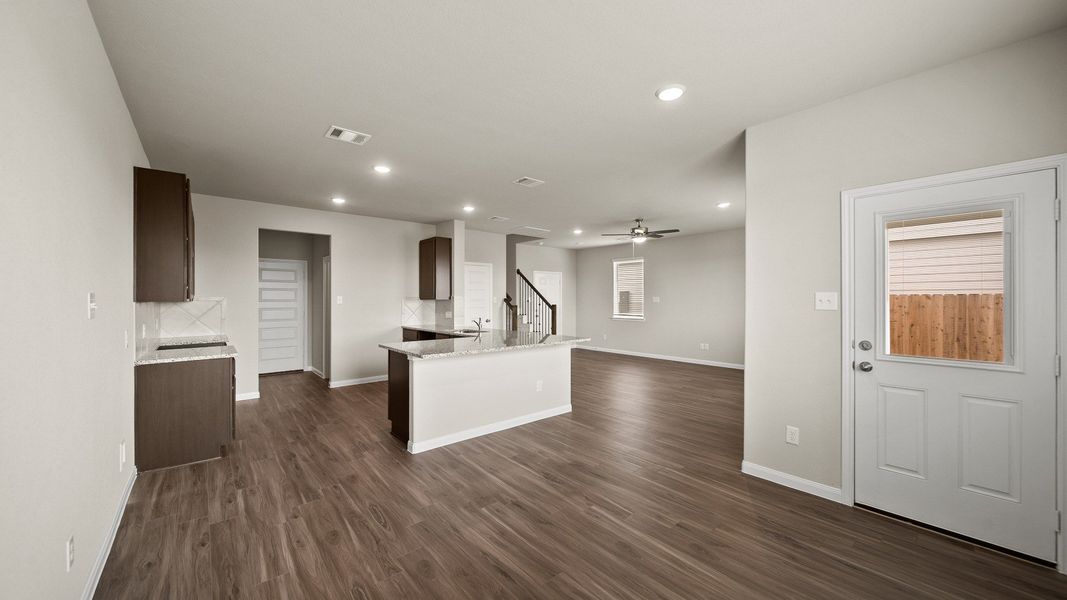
125,338
448,314
655,299
792,435
92,305
705,346
825,300
605,336
144,330
70,553
540,385
122,455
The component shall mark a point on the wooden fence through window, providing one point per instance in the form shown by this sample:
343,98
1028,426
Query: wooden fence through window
960,326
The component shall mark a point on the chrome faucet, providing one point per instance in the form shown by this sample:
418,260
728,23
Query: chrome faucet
478,322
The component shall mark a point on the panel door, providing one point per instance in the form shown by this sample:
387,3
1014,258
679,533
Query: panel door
282,315
478,292
955,348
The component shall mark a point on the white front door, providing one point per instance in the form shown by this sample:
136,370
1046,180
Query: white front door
550,284
478,292
282,315
954,336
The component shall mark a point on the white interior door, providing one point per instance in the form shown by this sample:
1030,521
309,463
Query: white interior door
550,284
478,292
282,315
954,334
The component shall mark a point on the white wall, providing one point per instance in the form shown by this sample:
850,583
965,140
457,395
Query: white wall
1005,105
485,247
68,148
530,258
700,280
374,263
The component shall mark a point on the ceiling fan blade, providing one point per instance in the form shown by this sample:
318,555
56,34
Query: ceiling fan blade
665,231
654,236
615,234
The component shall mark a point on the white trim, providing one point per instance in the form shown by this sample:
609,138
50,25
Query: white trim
311,369
848,400
105,550
248,396
358,381
792,481
681,359
452,438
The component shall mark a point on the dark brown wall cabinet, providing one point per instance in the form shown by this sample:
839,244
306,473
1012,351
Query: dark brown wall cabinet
435,268
162,236
183,411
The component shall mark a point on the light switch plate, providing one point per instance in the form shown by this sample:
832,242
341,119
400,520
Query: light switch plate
92,305
825,300
340,300
655,299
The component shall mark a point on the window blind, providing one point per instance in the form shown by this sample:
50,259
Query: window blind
629,289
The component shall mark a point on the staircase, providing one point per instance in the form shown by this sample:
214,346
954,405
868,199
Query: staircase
529,310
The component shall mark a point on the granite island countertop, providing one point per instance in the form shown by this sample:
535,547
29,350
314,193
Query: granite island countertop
442,329
157,356
490,340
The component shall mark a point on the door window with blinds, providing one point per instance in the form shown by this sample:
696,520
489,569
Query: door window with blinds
629,288
946,292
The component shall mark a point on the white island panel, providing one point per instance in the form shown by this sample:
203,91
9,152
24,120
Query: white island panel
462,397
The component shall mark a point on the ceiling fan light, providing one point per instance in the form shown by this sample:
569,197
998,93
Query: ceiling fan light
640,239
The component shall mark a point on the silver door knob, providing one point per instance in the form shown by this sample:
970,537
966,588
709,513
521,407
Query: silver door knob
866,367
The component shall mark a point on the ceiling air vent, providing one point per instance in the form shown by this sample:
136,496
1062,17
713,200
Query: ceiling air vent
528,182
499,218
347,135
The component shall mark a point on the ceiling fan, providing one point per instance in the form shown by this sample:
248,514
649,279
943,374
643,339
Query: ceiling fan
640,233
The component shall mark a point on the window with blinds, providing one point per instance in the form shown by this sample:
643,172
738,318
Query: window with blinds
629,288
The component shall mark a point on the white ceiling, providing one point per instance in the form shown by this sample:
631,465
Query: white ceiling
464,97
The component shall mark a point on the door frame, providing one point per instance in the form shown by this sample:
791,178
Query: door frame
305,317
848,400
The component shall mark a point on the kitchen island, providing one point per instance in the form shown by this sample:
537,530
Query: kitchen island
443,391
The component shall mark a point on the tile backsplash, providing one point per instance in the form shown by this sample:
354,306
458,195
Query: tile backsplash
416,312
160,320
203,316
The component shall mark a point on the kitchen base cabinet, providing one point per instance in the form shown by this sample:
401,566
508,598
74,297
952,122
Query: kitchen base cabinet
183,411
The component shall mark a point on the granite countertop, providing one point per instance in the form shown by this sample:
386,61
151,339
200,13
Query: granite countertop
491,340
183,354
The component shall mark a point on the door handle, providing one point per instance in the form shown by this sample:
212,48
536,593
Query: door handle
866,367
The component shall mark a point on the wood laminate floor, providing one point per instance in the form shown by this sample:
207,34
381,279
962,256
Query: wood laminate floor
636,494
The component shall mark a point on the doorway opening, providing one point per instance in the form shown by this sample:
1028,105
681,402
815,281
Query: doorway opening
293,302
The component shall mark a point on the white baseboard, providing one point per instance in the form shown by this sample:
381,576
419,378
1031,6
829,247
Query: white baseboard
248,396
444,440
312,369
359,381
694,361
105,550
792,481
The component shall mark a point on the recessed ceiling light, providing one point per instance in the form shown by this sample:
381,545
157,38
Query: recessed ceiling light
577,232
338,200
382,169
670,93
723,204
468,208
